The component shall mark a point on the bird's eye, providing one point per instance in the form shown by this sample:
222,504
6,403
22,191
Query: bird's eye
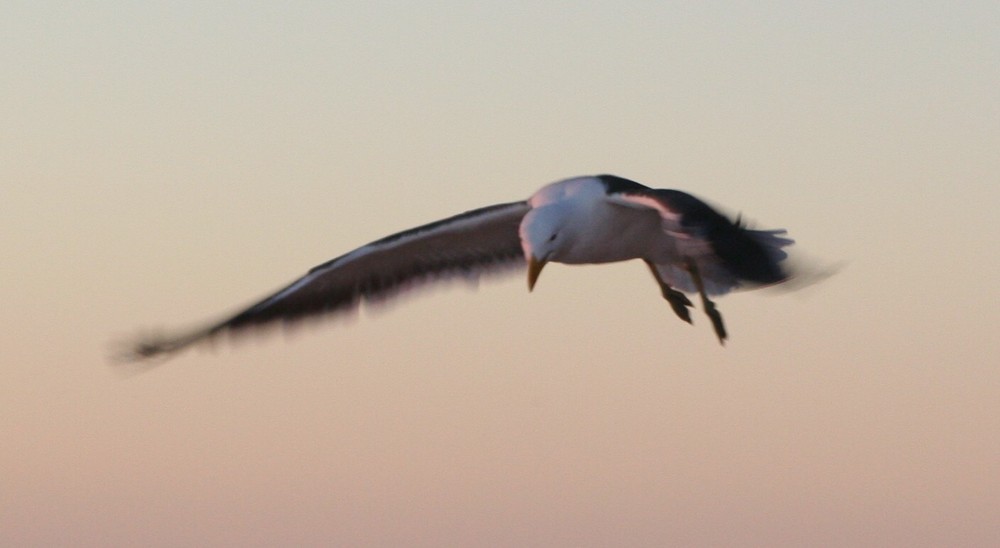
552,238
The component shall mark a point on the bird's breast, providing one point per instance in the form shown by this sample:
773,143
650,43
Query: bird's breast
610,233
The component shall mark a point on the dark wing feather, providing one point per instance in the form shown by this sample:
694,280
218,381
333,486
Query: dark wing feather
740,249
728,254
468,245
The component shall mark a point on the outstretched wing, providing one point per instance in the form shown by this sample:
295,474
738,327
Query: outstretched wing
467,245
727,253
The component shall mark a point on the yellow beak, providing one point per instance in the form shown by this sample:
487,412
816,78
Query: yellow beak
534,269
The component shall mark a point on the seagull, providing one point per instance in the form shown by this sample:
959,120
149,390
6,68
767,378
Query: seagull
688,246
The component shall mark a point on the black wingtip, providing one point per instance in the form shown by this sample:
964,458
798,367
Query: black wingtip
147,350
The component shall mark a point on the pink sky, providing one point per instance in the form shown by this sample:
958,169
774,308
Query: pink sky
164,165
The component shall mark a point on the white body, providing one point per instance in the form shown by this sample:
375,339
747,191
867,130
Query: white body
590,228
578,221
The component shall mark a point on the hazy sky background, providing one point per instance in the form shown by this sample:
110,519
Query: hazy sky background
164,163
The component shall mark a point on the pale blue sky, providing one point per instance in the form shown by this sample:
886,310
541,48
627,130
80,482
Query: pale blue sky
164,163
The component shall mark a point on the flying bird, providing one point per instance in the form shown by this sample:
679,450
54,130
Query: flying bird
689,247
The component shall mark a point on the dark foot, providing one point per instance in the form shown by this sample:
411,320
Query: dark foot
679,303
707,304
713,314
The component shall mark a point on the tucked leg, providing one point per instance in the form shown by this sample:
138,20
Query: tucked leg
708,305
678,301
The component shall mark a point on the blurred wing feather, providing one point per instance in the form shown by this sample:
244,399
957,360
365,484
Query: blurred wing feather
728,254
468,245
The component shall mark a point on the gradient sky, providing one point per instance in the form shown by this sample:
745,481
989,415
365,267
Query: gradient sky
163,163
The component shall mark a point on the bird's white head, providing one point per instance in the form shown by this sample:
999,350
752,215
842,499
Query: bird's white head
543,237
559,212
